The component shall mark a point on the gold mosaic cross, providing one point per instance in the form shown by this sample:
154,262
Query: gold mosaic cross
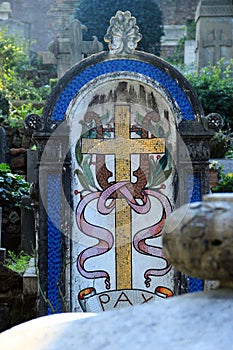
122,147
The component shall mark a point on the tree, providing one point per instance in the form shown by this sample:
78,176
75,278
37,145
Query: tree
96,14
14,62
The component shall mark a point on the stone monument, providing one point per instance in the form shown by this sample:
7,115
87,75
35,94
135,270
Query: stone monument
5,11
214,26
12,26
122,143
69,48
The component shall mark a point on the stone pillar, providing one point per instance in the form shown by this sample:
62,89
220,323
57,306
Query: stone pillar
5,10
2,250
214,27
0,227
52,154
2,145
28,238
189,52
196,138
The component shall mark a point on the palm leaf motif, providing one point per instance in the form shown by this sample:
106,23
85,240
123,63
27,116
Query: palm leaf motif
87,171
82,180
84,174
139,119
105,117
78,152
157,173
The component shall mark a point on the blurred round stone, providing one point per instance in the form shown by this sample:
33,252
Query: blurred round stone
198,238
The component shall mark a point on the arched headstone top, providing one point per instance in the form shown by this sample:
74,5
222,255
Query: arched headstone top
144,65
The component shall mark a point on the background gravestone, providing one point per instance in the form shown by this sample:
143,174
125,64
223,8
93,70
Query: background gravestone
69,48
214,27
189,52
2,145
121,129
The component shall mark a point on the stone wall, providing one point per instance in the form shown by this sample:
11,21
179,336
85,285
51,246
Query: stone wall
18,143
48,16
17,303
177,11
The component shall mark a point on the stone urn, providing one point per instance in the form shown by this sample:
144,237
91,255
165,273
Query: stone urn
198,238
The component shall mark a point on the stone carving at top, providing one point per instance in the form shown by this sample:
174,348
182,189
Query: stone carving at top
123,34
217,8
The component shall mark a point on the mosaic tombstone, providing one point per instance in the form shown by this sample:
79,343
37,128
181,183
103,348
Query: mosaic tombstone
123,143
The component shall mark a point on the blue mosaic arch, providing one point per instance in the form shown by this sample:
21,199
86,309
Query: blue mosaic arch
121,65
54,112
145,64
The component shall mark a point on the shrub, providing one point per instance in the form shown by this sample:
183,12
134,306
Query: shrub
225,184
12,187
214,86
220,144
17,262
13,63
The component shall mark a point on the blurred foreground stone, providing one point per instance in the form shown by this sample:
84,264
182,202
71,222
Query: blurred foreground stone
200,320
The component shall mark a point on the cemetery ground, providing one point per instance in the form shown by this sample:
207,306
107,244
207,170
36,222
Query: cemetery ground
96,130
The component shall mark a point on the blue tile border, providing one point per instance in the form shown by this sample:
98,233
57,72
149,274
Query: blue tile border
195,284
119,65
54,242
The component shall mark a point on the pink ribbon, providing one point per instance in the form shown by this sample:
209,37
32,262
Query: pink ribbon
139,240
105,237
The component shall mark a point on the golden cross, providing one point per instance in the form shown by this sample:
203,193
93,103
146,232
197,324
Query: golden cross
122,147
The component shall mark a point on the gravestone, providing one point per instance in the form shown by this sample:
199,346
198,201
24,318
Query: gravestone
5,10
214,27
2,250
123,142
69,48
172,35
2,145
189,52
12,26
28,236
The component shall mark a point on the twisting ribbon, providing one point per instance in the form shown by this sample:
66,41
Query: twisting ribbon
122,187
105,237
139,240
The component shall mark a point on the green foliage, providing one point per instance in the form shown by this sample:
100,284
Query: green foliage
17,263
18,114
12,187
95,15
225,183
214,86
220,144
13,63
